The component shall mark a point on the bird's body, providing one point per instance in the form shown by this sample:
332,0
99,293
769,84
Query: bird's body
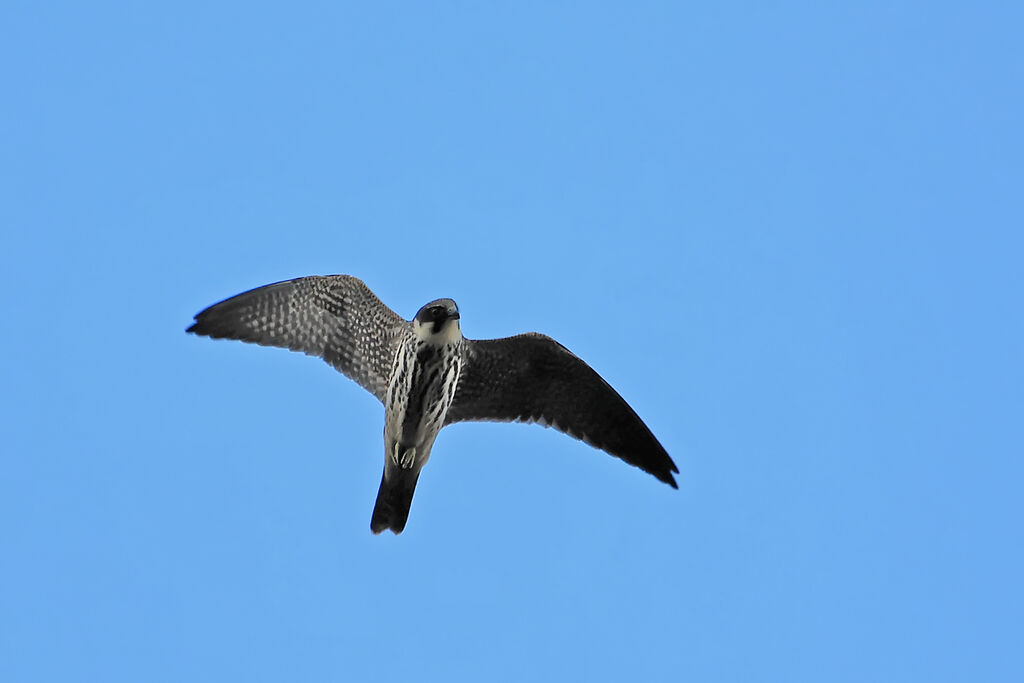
428,375
421,388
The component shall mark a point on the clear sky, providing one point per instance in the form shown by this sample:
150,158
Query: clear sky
790,234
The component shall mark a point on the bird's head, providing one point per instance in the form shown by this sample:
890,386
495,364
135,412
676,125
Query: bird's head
438,322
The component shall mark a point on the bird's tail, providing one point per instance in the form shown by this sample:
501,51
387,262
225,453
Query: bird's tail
394,498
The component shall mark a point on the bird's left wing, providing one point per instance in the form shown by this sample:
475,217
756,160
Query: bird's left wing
533,378
335,317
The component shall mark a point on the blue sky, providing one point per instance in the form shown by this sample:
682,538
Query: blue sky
790,234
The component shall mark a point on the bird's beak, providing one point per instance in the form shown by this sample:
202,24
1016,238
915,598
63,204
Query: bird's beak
453,315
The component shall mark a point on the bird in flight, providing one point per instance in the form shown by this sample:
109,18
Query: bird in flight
429,376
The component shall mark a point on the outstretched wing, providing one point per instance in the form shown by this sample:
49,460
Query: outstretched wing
335,317
533,378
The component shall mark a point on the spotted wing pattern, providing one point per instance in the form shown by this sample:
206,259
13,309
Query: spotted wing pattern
533,378
335,317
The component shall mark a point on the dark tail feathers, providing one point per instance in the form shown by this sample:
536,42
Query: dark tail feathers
393,499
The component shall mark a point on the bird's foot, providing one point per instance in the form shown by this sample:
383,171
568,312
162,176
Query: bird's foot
407,459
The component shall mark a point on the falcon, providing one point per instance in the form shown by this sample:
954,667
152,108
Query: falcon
429,376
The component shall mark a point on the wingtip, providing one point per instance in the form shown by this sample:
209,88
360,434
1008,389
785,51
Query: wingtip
667,474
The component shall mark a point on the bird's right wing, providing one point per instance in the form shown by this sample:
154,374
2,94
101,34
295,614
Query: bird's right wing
335,317
533,378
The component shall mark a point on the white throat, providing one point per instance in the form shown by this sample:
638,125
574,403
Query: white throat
449,334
